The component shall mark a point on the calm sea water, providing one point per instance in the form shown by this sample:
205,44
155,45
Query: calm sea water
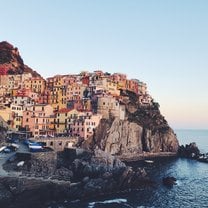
191,189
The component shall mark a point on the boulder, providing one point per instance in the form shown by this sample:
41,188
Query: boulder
169,181
189,151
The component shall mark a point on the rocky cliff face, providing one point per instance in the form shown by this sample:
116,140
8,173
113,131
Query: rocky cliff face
144,130
11,61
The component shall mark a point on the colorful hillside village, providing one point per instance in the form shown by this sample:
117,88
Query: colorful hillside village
70,105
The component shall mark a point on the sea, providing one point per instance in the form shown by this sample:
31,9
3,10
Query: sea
191,190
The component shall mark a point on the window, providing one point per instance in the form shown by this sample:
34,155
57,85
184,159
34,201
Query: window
51,143
103,103
27,119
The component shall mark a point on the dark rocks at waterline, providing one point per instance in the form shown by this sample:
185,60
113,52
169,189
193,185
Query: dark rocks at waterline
27,192
189,151
99,175
169,181
23,192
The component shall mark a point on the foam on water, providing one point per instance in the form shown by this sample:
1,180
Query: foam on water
119,201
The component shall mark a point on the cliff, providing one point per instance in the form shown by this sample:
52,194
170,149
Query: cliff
144,131
11,61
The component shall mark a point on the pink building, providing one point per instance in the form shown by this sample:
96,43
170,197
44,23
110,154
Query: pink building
84,126
39,119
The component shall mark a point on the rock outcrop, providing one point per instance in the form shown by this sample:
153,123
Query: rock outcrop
144,130
125,137
189,151
11,61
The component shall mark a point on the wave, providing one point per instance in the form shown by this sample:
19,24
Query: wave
119,201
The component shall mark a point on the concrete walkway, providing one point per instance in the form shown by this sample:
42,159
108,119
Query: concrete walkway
146,155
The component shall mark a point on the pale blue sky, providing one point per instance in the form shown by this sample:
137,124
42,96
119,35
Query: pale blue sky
163,43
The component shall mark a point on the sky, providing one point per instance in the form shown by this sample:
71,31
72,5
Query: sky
161,42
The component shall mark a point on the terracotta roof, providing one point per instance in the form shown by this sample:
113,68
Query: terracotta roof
65,110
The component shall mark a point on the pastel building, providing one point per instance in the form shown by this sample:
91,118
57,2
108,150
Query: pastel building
132,85
75,91
6,114
57,97
84,126
4,80
17,81
17,112
39,119
22,100
112,88
38,84
142,88
120,79
63,119
3,91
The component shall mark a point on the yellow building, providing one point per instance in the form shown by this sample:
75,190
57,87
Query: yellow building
57,98
75,91
36,84
6,114
112,88
64,117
